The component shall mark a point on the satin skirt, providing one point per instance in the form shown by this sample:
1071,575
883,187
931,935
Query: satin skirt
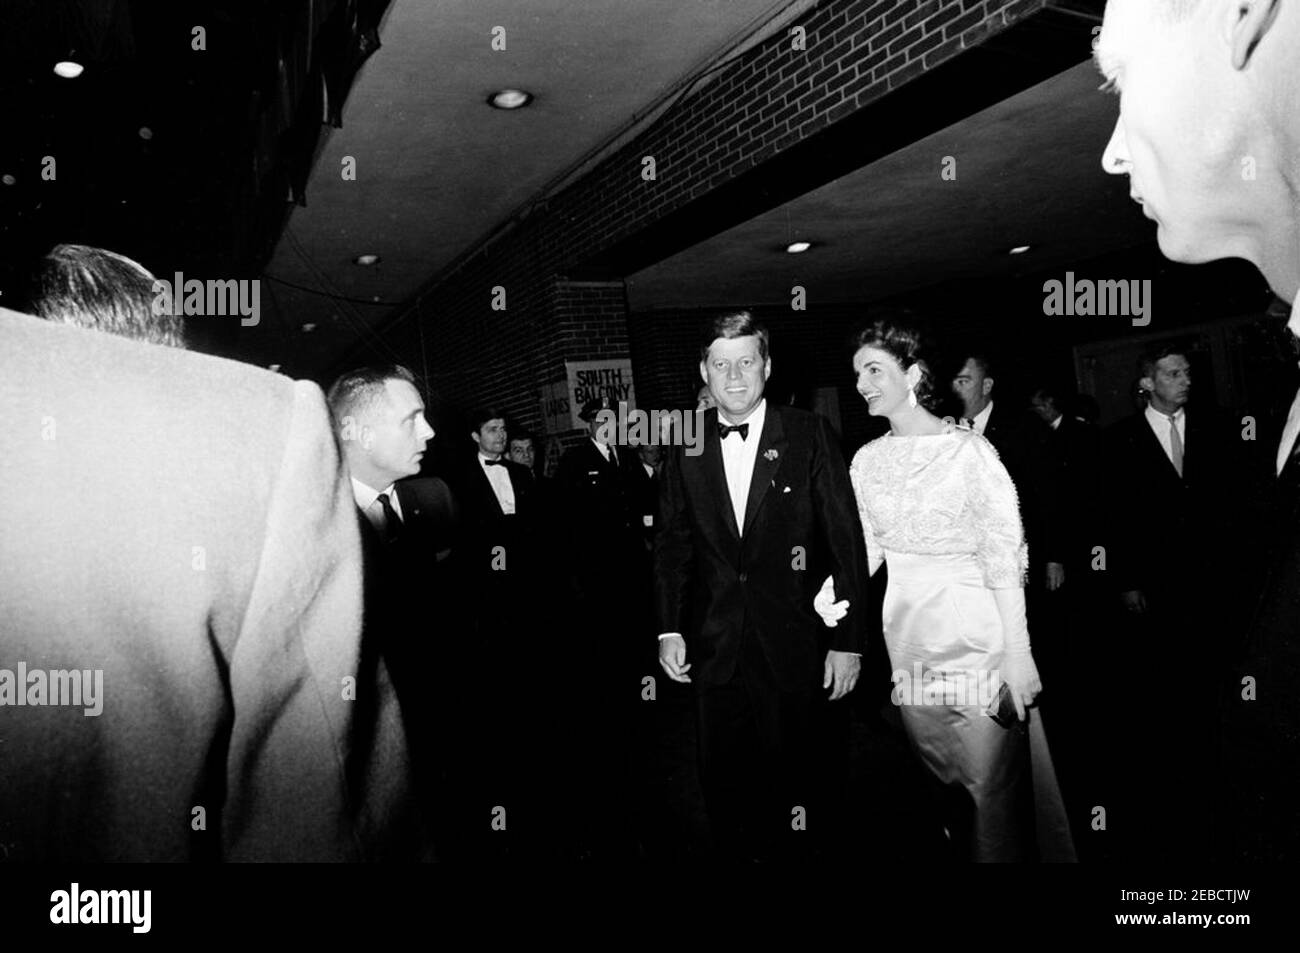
944,637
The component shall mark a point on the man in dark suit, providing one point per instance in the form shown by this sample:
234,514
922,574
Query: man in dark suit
1020,446
1170,502
1226,66
607,580
407,529
750,529
182,525
499,569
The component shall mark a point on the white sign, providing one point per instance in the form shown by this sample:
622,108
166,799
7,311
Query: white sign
588,379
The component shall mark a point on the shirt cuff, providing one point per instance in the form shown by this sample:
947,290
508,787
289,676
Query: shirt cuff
669,635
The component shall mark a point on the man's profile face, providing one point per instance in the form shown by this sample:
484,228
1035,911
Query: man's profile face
491,437
397,430
736,374
1182,131
521,452
972,386
1171,383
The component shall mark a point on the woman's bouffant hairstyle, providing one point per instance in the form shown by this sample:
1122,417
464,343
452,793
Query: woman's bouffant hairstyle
905,345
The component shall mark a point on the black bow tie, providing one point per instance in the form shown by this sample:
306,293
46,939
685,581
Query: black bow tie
494,463
742,429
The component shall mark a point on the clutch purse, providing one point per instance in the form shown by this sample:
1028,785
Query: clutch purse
1003,708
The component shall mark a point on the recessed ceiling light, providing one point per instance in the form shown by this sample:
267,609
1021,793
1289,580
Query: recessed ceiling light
366,260
798,248
68,69
1020,249
146,133
309,327
510,99
8,179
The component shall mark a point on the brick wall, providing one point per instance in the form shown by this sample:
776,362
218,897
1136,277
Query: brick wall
773,97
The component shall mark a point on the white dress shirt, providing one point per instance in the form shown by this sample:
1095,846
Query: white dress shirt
367,498
1160,427
604,449
981,420
738,458
1292,428
499,477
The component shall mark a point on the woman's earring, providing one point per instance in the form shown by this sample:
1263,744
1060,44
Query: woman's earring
911,397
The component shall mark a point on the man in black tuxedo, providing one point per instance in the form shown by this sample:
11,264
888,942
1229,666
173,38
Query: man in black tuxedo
498,571
750,528
407,527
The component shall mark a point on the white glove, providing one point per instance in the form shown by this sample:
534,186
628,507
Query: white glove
826,606
1018,668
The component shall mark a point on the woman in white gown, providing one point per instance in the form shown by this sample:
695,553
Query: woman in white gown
939,509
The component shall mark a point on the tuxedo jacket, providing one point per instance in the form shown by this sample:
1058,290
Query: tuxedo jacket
1167,531
718,586
1022,447
183,524
1077,461
484,527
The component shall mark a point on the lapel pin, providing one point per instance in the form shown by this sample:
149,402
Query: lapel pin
770,455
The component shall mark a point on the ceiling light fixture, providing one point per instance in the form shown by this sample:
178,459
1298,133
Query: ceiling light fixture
309,327
1020,249
798,248
366,260
8,179
68,69
146,133
510,99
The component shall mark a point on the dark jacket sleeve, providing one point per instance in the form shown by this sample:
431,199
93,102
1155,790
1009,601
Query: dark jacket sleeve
837,513
674,551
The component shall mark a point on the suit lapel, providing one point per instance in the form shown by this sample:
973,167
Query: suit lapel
485,489
715,475
771,452
1154,448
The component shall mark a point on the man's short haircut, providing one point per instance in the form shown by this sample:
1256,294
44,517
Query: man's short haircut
985,364
483,415
102,290
733,324
521,436
355,391
1154,355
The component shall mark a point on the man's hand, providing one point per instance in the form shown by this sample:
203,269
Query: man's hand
672,656
1134,601
842,669
1055,576
825,605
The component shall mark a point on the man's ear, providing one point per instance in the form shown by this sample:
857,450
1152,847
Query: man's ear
1147,384
987,386
704,373
767,368
1249,21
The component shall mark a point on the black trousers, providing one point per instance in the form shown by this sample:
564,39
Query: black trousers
773,763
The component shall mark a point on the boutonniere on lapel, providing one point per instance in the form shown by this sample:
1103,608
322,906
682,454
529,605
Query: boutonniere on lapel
770,455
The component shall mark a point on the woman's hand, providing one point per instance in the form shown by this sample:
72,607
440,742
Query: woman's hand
1021,675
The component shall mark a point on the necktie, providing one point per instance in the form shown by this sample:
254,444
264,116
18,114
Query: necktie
613,457
392,524
742,429
494,463
1175,445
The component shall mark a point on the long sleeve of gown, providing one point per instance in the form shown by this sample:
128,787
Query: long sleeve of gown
875,553
1001,551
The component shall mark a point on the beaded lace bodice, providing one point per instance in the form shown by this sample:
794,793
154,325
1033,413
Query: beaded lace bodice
944,493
